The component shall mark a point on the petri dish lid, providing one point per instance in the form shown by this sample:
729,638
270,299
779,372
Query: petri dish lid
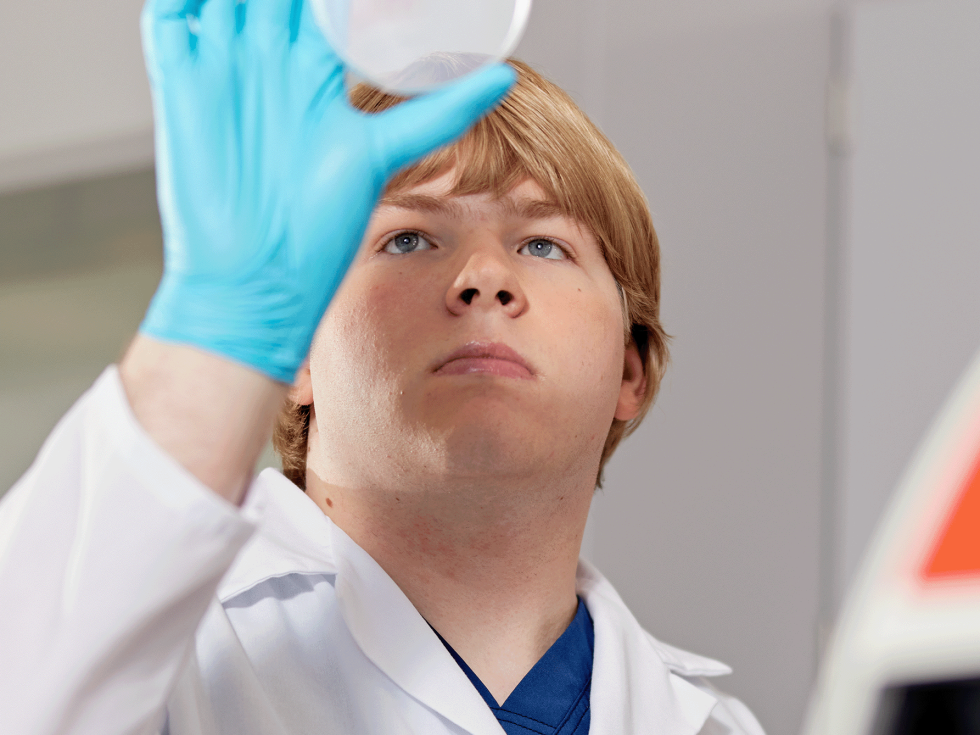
412,46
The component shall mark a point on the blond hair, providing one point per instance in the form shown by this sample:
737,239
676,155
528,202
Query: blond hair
539,133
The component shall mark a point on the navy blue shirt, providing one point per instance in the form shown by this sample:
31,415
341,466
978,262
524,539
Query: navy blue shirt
553,698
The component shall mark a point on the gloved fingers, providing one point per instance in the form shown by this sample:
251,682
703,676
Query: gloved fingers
322,72
414,128
218,27
166,35
268,23
309,39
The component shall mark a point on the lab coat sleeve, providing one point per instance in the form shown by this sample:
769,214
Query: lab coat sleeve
109,555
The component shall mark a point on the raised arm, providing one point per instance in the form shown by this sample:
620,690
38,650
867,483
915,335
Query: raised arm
266,181
112,544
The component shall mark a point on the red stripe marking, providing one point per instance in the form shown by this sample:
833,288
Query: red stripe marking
957,551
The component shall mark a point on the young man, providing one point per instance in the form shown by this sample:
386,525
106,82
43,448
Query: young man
494,338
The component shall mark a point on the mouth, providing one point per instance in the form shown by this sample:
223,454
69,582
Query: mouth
491,358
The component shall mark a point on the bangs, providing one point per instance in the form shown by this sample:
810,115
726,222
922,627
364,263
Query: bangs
536,133
483,163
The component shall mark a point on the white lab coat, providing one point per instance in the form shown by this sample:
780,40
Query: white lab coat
134,600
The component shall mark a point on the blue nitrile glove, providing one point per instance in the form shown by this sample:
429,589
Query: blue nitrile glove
266,176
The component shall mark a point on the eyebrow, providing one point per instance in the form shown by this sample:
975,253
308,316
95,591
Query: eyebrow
450,206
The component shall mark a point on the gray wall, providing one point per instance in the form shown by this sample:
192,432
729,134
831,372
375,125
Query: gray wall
719,493
907,203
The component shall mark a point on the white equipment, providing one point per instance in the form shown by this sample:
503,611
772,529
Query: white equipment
905,659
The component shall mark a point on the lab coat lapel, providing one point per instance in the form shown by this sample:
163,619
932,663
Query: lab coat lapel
634,689
392,634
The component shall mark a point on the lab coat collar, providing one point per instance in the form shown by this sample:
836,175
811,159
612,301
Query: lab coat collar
638,683
293,536
399,641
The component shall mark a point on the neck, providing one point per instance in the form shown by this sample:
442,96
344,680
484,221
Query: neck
490,564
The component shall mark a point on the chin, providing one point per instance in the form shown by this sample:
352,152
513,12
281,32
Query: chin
482,451
506,433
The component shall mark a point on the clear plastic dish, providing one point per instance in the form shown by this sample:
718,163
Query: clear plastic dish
412,46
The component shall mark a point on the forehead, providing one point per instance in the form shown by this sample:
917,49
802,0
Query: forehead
526,200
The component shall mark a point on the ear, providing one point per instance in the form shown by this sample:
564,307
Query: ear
634,386
302,390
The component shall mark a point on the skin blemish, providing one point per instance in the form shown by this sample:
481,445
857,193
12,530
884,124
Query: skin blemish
329,503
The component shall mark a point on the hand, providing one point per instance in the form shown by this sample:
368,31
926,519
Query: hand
266,176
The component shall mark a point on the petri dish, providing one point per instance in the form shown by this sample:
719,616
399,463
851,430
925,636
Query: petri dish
413,46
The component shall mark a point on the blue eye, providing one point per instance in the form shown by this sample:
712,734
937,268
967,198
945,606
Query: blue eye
407,242
542,248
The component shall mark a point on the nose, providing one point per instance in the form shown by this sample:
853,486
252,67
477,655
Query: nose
485,282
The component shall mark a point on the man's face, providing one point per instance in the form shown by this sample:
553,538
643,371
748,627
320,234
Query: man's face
471,336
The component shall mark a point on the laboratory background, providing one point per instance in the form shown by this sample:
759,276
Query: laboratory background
814,172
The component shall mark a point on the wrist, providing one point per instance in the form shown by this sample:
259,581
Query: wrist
255,323
210,414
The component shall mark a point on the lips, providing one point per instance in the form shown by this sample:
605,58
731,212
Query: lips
491,358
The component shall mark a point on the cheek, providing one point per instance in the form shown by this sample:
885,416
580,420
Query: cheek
592,347
365,332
